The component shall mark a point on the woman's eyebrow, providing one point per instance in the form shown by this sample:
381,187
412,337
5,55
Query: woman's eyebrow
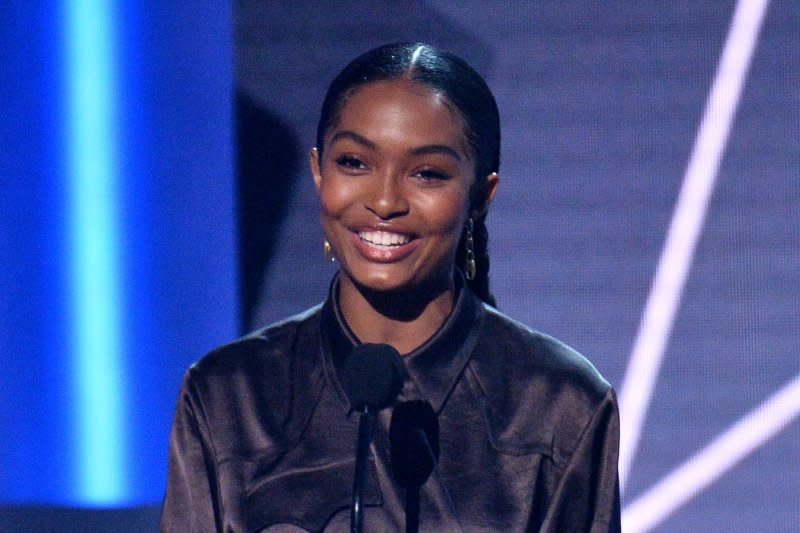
437,149
355,137
421,150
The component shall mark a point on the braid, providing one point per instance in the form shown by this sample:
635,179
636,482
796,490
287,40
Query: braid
480,238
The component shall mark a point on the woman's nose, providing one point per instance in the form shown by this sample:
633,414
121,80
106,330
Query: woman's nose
387,199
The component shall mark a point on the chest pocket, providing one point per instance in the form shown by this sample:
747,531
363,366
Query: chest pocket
306,497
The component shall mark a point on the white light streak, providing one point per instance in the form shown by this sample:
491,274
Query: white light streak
684,230
722,454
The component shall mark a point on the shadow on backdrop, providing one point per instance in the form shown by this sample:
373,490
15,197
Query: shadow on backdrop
266,164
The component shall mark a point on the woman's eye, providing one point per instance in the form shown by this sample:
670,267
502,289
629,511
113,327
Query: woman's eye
350,163
430,175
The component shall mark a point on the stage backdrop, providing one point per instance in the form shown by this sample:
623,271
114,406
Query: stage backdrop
648,215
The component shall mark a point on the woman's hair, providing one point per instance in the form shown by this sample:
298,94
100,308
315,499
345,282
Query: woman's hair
465,89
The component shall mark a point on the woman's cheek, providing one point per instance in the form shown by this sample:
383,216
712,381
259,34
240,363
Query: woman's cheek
448,212
338,194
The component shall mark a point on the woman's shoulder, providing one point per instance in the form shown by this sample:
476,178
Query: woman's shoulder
258,390
267,349
539,392
525,353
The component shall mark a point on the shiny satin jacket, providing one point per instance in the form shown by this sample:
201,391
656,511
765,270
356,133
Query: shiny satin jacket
263,440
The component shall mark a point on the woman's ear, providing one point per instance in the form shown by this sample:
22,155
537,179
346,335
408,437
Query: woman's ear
315,165
487,194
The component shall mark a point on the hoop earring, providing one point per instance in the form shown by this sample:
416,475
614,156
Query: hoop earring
327,251
470,268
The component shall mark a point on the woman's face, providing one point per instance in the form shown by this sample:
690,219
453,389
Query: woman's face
394,183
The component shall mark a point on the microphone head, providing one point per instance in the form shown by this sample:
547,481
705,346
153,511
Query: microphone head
414,441
372,376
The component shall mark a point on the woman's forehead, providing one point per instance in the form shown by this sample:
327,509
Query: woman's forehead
402,108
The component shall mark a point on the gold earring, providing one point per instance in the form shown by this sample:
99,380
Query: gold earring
327,251
470,268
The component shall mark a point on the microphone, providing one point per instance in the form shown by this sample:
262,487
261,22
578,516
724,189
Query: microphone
414,441
371,380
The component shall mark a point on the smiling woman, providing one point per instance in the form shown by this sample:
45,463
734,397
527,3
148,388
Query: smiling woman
394,188
406,167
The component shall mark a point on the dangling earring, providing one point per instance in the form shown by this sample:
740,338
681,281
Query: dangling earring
470,269
327,251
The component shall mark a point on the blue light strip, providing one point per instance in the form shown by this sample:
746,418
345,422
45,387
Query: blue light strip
92,140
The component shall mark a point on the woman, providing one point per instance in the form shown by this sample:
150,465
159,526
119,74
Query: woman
406,166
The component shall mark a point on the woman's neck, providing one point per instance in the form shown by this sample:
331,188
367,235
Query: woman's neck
402,320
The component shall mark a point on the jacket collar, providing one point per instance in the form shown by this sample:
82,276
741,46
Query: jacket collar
435,366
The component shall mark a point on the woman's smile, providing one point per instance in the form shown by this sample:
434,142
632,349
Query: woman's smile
384,246
383,238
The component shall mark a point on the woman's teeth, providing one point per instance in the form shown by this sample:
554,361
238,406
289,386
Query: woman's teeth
383,238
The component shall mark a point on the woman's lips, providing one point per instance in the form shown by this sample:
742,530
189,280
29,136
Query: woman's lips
384,246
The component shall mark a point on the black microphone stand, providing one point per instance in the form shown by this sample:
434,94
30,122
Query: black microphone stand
366,426
412,509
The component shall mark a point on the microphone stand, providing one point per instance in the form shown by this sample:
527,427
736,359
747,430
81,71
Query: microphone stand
412,509
366,426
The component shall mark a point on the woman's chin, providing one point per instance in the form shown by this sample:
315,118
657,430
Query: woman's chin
389,281
381,279
384,284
